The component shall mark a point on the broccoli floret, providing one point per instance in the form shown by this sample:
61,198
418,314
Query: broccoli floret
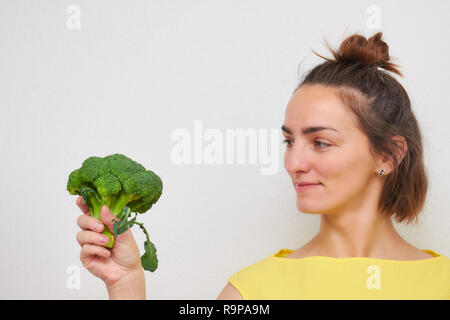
90,170
75,182
117,182
108,187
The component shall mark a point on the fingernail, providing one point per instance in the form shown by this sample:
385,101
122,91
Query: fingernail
104,239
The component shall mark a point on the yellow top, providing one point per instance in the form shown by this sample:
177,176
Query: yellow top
356,278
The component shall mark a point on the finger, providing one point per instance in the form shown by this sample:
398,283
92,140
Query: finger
91,237
108,218
90,223
83,206
88,251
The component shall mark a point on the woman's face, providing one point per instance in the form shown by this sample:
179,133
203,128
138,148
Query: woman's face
337,158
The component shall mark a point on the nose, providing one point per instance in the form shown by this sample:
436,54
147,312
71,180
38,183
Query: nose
297,159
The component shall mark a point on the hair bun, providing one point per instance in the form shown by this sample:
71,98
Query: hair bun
370,52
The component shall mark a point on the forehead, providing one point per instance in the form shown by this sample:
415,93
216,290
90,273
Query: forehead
316,105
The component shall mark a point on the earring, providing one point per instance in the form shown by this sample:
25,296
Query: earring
381,172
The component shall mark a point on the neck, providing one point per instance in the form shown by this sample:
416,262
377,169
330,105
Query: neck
359,230
350,235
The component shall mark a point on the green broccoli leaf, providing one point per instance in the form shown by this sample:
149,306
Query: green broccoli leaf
149,260
131,222
122,225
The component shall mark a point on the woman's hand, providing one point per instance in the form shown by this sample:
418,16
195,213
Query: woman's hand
120,267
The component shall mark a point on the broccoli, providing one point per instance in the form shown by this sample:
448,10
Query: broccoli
124,186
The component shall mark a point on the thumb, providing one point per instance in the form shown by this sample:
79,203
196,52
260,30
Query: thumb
107,217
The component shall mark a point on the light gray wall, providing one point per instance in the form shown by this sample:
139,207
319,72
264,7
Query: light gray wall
134,73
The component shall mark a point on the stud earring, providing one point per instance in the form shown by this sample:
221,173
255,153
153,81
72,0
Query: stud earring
381,172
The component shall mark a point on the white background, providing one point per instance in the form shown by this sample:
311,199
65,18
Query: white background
138,70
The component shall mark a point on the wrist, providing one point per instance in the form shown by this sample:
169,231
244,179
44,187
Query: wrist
129,287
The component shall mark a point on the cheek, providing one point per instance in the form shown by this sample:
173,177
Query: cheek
344,172
333,172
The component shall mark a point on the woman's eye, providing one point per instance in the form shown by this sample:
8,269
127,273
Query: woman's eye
316,143
322,143
287,142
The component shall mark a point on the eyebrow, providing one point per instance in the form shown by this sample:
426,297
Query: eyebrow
308,130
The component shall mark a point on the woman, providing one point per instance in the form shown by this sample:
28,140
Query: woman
354,154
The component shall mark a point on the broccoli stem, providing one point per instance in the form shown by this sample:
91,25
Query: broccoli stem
95,206
122,200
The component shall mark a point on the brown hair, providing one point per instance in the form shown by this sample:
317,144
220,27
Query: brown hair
383,110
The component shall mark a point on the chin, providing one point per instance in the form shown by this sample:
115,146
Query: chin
309,208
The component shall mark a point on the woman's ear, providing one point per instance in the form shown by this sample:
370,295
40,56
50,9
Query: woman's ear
401,147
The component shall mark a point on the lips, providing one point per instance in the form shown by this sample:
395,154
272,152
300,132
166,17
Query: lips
306,183
306,186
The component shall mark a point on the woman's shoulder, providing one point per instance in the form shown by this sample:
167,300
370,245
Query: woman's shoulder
255,270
